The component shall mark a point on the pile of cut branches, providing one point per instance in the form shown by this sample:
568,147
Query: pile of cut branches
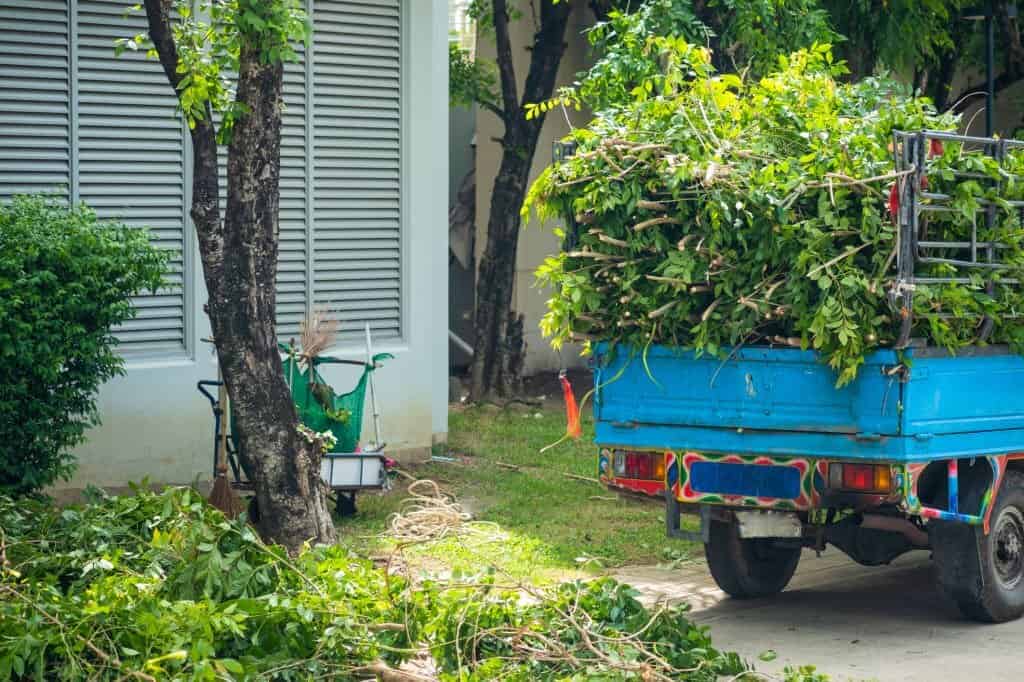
711,212
161,586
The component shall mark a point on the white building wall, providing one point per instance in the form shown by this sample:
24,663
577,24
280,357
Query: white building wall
155,423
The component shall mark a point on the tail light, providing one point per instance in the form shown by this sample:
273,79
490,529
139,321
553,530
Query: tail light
860,478
646,466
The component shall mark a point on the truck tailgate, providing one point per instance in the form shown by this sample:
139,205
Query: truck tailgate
757,388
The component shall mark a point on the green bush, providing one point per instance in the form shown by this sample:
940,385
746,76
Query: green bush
66,280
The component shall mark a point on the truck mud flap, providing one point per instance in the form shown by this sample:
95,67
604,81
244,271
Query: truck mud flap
958,571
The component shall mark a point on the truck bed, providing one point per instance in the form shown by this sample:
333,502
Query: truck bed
783,401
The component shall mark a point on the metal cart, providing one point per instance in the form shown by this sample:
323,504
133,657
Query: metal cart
348,467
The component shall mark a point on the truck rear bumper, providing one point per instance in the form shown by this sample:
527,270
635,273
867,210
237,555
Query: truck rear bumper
930,490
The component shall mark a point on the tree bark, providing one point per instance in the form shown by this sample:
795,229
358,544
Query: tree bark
239,257
494,358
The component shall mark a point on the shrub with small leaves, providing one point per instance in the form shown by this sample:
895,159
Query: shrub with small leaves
66,280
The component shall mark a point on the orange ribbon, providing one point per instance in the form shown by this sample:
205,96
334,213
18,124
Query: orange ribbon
572,411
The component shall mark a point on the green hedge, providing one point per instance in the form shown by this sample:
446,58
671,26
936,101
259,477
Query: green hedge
66,280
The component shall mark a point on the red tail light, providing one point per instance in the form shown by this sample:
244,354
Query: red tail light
648,466
861,478
858,477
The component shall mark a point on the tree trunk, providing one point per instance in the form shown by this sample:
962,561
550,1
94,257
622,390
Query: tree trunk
940,84
497,353
496,278
291,496
239,266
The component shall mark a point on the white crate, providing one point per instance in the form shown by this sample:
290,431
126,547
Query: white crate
350,471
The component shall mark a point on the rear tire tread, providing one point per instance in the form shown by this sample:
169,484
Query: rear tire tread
964,560
748,569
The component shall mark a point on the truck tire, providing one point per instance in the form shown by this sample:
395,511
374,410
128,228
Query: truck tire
984,574
747,569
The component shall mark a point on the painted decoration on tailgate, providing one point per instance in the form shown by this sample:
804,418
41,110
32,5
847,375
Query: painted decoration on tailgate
747,481
912,502
672,477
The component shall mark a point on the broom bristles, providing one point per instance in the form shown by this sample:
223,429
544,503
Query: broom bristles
319,332
224,498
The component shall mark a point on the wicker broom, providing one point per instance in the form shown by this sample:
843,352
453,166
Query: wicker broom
223,496
319,332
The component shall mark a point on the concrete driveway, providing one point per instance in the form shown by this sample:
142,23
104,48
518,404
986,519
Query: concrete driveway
852,622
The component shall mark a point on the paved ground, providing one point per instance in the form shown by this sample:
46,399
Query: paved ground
852,622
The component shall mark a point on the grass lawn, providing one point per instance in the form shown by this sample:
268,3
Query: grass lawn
549,525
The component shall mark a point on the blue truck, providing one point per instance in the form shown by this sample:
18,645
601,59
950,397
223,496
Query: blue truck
924,450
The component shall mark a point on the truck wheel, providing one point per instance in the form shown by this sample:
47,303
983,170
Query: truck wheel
746,569
984,574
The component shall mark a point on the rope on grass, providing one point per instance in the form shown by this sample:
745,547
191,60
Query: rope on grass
427,514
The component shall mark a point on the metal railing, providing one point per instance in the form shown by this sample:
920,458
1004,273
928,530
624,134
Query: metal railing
918,202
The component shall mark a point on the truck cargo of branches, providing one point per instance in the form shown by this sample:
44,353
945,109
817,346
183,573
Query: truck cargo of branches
922,451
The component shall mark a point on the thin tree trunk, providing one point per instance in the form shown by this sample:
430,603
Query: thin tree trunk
493,358
239,266
940,84
496,279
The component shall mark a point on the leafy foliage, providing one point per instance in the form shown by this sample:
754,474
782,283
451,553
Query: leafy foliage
631,42
719,211
905,35
470,81
163,586
66,280
581,630
749,35
209,36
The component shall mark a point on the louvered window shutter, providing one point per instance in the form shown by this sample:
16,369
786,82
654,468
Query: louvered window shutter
35,133
104,129
131,144
357,98
292,281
